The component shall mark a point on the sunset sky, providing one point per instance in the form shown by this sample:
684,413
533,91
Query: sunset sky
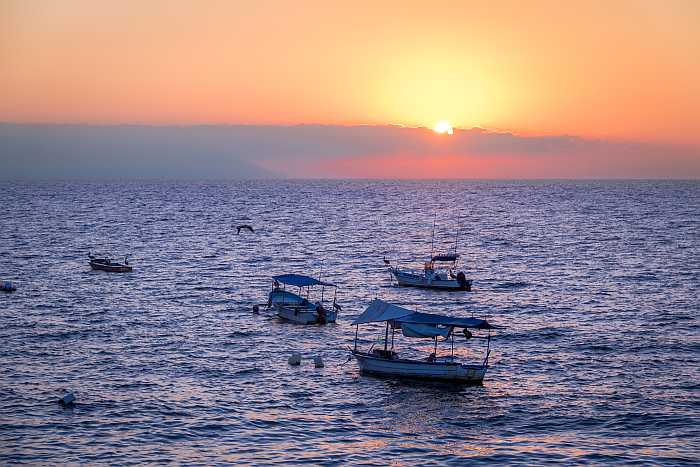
620,71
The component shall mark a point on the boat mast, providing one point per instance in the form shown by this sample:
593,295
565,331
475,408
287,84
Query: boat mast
432,243
459,227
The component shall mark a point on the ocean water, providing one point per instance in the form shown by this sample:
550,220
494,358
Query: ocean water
595,284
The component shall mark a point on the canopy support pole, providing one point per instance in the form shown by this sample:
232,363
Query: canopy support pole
488,348
386,335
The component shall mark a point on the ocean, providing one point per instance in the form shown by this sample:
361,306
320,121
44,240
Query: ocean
594,283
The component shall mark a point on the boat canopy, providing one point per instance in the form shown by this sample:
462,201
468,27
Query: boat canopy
447,257
300,280
379,310
424,330
428,318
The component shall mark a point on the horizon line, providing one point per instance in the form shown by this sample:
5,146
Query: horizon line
479,128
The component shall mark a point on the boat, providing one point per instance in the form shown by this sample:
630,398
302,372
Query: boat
297,307
386,361
439,273
8,286
106,264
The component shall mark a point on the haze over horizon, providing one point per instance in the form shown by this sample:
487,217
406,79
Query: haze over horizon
325,151
314,89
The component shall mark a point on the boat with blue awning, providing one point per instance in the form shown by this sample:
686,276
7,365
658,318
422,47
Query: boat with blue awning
298,306
412,324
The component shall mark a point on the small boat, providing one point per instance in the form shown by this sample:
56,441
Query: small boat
106,264
446,368
8,286
438,273
297,307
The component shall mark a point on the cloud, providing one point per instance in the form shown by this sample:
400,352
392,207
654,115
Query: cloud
249,151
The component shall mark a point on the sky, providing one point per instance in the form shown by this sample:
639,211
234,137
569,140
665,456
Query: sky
622,78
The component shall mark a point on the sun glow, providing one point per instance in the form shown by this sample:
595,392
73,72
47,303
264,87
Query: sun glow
443,127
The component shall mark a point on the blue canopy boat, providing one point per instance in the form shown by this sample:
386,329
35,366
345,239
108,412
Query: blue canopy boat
412,324
298,307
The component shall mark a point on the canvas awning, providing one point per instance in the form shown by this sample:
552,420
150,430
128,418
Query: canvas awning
379,310
429,318
300,280
424,330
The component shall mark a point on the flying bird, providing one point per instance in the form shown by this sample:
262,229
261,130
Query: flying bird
246,226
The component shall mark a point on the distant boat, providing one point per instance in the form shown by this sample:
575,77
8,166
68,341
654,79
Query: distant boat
438,273
8,286
106,264
446,368
297,307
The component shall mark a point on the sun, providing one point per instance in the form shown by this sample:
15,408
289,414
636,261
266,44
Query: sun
443,127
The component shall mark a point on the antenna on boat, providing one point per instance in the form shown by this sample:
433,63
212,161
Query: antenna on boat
459,228
432,243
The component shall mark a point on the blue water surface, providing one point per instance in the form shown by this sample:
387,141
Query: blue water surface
595,283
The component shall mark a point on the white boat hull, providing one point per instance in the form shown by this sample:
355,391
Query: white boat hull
407,279
416,369
292,307
305,315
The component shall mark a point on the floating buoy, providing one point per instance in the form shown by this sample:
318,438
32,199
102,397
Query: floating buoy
67,400
295,359
318,362
256,309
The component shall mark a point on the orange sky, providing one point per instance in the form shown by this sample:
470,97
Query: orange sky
626,69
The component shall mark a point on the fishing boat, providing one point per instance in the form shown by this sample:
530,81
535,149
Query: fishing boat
299,307
411,324
438,273
106,264
8,286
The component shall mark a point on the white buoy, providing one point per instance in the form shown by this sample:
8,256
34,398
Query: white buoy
67,400
295,359
318,362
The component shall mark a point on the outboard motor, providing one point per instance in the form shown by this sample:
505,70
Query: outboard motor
321,312
462,280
